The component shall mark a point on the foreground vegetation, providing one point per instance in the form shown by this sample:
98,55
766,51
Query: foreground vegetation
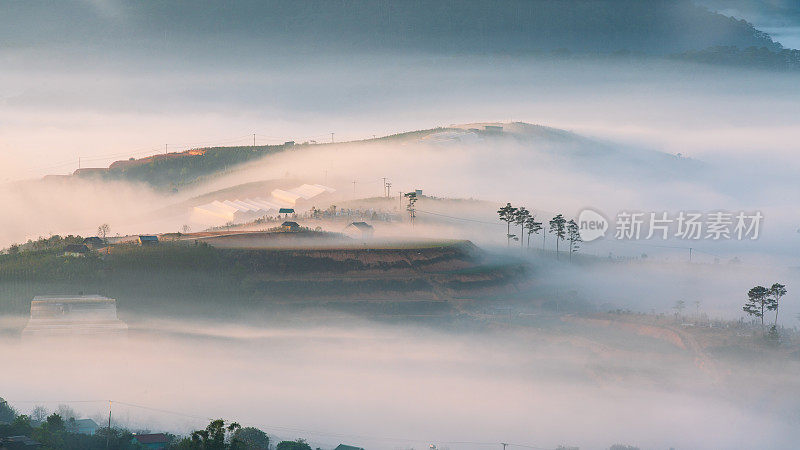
56,433
53,433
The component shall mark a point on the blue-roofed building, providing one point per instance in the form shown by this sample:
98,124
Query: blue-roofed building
347,447
82,426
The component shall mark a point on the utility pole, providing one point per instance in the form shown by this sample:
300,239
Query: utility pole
165,148
331,137
354,189
108,435
384,186
504,445
254,139
388,189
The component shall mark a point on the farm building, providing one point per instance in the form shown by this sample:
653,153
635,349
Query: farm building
152,440
94,242
234,210
281,201
76,250
290,226
83,426
286,197
73,316
361,230
147,239
304,192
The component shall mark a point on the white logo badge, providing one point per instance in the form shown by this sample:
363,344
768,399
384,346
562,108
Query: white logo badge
592,225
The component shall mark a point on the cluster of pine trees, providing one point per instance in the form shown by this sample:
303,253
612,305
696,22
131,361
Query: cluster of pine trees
761,299
526,220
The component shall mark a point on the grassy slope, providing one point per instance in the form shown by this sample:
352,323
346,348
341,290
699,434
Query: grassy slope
186,170
182,273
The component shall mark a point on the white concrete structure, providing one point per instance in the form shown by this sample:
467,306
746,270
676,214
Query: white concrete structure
83,315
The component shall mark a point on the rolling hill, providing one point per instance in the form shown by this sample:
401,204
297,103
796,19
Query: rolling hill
175,171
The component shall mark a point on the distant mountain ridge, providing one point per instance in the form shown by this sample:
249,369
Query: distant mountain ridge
653,27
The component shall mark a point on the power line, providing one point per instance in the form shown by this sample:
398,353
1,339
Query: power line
166,411
56,401
138,152
458,218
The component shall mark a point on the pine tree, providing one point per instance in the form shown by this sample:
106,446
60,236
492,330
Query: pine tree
533,227
507,214
776,292
559,228
521,219
757,299
411,208
574,237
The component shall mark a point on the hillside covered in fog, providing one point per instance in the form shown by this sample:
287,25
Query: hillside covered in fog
555,146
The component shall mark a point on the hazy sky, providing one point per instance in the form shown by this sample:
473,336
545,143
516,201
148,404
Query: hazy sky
104,80
49,118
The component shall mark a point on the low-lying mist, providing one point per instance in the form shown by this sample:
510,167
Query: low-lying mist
400,386
75,206
716,290
735,129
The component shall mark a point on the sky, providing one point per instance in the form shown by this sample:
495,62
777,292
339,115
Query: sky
112,85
